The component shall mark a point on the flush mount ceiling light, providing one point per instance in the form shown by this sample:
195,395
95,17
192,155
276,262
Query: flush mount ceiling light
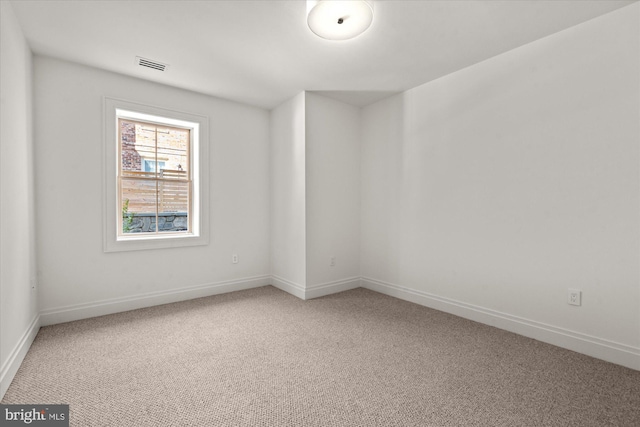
339,19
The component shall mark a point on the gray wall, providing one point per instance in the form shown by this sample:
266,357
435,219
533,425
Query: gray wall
18,309
491,191
70,96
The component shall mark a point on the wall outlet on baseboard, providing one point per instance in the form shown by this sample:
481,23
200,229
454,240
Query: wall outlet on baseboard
332,261
575,297
234,258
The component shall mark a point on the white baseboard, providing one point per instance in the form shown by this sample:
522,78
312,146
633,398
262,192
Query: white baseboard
314,291
13,362
610,351
117,305
288,286
592,346
328,288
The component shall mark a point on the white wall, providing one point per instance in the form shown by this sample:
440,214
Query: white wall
333,190
287,186
18,303
77,278
315,173
382,137
491,191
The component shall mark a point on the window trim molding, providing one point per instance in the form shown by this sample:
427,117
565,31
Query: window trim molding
200,162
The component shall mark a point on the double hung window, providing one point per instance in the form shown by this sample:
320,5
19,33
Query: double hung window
156,177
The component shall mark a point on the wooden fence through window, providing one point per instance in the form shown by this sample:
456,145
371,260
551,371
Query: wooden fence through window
170,189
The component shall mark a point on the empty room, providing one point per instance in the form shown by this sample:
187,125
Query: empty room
320,213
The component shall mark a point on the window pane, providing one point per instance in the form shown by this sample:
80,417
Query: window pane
146,147
138,206
173,202
173,154
130,157
137,147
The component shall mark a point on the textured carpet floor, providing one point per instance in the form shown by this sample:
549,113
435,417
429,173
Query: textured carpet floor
264,358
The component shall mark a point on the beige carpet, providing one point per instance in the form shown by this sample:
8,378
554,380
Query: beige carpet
265,358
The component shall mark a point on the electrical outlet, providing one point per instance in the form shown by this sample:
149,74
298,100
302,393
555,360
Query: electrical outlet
575,297
234,258
332,261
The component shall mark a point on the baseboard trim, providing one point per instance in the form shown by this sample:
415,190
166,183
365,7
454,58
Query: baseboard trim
13,362
117,305
610,351
314,291
288,286
328,288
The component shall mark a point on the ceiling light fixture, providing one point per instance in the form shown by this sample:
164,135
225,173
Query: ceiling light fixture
339,19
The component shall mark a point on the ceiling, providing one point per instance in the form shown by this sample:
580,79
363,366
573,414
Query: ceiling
262,53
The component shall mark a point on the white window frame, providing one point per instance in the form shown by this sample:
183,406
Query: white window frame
199,233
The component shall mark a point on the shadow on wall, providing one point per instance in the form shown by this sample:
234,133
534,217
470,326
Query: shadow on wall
358,98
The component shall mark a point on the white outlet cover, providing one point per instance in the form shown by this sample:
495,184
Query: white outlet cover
575,297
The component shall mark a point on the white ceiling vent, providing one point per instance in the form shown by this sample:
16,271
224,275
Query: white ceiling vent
148,63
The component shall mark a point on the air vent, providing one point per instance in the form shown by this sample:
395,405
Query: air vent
148,63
